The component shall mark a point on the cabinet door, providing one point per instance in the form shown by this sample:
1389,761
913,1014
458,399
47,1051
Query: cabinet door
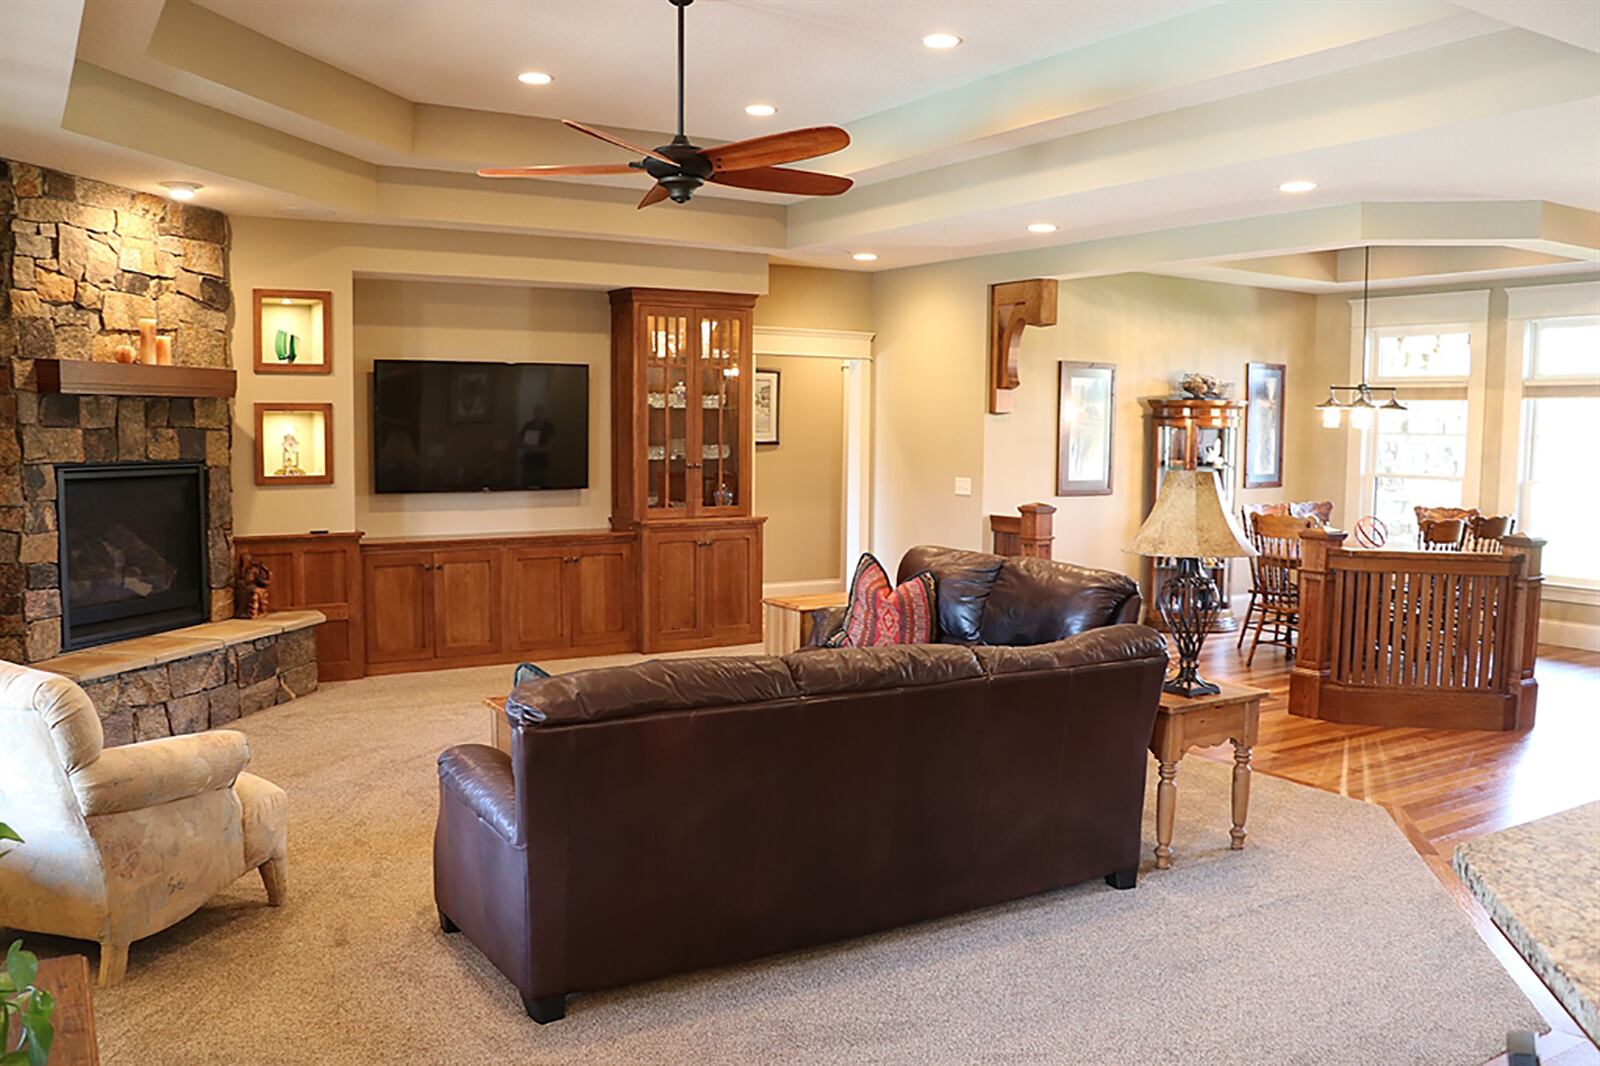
540,605
399,606
602,583
666,354
467,602
720,464
673,589
730,574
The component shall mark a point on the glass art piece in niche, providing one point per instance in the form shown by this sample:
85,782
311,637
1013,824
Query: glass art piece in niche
291,458
286,346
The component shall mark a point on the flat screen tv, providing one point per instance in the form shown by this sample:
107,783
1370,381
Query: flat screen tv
479,427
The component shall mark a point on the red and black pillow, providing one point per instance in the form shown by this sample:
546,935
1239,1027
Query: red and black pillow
880,612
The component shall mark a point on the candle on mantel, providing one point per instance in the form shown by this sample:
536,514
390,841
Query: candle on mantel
164,350
147,341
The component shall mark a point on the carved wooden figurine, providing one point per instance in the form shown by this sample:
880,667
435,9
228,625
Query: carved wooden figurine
250,588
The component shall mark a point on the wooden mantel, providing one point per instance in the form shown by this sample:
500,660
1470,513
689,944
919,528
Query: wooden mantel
77,377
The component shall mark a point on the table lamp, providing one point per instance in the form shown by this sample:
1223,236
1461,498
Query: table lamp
1188,523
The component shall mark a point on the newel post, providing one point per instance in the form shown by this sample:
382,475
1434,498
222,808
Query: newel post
1527,593
1312,657
1036,530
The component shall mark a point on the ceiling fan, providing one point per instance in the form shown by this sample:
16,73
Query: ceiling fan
679,168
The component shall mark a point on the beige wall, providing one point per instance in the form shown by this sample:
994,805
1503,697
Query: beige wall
496,323
799,482
816,299
931,404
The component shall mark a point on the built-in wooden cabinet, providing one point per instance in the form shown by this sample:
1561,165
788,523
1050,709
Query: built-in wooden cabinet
467,606
399,594
319,571
681,463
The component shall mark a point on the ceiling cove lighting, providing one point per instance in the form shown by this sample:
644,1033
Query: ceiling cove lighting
865,257
760,110
1360,404
941,41
1300,185
181,190
1041,227
534,77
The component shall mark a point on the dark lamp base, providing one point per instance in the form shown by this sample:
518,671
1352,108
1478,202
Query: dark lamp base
1188,602
1191,689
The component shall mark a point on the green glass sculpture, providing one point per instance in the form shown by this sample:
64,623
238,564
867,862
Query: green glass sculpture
285,344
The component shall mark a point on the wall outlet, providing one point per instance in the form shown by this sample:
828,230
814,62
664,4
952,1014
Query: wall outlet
963,486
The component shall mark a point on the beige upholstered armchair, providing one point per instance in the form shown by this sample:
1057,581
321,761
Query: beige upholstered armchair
123,842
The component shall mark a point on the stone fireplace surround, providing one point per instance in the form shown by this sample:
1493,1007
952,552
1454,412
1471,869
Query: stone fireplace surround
81,262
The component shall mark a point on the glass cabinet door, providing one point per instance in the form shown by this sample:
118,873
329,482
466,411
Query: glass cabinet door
721,381
667,387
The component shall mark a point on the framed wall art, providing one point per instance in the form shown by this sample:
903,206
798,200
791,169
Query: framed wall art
293,331
1263,425
1085,419
764,406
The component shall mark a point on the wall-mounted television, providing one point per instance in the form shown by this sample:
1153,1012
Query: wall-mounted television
479,427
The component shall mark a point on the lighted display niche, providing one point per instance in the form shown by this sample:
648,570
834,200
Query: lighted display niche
293,331
294,444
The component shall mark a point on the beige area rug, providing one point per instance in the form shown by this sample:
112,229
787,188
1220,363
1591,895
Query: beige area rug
1325,941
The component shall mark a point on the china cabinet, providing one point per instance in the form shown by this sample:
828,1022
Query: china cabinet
1184,433
681,462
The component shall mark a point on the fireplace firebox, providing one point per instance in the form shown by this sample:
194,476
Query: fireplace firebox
133,549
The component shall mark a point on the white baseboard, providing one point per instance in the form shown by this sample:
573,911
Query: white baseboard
1581,635
802,588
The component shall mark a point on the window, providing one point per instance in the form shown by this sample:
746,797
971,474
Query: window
1410,354
1556,497
1420,459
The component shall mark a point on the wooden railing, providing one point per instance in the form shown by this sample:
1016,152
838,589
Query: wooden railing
1434,640
1031,532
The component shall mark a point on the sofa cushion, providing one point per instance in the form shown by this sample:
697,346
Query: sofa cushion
658,685
879,614
1036,601
1108,644
823,671
964,580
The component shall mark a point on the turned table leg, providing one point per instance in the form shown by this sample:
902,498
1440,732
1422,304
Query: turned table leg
1241,792
1166,804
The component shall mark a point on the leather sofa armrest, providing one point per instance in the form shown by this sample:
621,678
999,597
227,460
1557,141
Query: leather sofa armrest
825,622
153,772
1128,613
481,778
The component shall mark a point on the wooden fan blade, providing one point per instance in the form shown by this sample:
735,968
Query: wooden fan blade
777,179
775,148
651,153
557,170
654,196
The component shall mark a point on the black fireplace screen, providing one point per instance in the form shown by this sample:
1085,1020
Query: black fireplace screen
133,549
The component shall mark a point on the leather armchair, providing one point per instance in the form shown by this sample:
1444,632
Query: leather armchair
120,843
1009,600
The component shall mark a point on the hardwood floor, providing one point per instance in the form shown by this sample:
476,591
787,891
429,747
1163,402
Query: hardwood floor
1443,786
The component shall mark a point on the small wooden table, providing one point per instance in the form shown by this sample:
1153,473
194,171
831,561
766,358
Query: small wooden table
788,619
1234,715
66,977
499,727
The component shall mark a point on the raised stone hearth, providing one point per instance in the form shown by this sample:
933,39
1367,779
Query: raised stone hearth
202,677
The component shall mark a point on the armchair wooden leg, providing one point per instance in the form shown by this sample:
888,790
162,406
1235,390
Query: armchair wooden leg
275,875
113,963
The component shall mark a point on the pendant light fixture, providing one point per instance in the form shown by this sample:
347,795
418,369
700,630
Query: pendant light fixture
1361,404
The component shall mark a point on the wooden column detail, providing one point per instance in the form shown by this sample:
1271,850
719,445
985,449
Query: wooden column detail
1031,532
1527,595
1013,305
1313,655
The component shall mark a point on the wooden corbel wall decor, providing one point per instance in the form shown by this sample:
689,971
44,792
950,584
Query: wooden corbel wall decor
1013,305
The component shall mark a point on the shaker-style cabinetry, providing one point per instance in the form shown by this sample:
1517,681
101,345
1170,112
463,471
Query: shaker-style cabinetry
441,604
681,463
322,572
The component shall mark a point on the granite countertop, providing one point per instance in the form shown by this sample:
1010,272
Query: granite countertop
1540,883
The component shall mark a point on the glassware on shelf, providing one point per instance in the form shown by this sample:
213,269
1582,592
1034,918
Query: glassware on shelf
677,449
657,400
724,495
715,451
680,395
656,451
711,401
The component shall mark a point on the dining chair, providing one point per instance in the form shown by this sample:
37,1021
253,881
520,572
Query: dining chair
1276,573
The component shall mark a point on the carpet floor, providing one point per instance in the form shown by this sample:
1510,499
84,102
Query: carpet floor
1326,940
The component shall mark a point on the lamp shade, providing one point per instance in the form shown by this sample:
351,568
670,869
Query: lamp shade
1189,522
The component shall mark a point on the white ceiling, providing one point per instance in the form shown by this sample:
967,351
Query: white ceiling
817,61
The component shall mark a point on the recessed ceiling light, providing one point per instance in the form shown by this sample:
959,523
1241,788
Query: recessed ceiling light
941,40
1041,227
534,77
286,302
761,110
181,190
1297,186
865,257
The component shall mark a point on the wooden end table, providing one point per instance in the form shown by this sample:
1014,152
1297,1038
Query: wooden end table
499,727
1182,723
788,619
66,977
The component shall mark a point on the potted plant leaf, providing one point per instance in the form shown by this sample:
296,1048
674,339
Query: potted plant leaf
20,998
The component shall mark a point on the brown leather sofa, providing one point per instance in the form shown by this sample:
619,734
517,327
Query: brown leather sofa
690,813
1008,599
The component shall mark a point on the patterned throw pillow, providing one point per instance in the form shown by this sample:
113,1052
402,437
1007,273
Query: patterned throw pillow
881,613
